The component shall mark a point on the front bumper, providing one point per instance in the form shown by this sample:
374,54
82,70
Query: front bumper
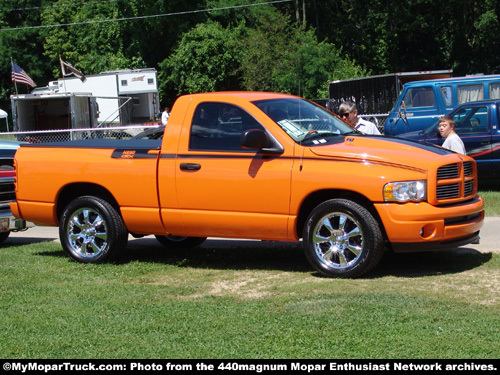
421,226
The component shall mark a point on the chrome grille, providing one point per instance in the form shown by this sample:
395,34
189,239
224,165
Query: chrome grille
468,187
468,169
448,191
461,181
447,171
7,193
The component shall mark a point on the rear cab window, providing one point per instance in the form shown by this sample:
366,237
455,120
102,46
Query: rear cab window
218,126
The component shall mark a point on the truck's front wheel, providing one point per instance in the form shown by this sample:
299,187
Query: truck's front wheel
91,230
342,239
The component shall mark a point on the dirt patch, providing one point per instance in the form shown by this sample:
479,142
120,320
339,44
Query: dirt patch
246,285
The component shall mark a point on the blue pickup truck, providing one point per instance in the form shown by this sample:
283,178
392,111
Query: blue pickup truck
421,103
477,124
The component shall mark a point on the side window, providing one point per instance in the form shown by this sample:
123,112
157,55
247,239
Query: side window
419,97
471,120
218,127
470,93
494,90
447,93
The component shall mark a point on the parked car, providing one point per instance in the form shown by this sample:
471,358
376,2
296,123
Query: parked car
7,150
478,125
8,222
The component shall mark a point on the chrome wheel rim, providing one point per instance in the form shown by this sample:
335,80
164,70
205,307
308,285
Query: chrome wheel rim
87,233
338,240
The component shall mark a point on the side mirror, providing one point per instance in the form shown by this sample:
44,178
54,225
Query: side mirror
254,139
258,139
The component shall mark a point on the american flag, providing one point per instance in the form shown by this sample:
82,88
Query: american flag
20,76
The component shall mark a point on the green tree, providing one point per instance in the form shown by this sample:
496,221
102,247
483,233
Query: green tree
87,42
117,34
382,35
25,47
283,56
206,59
157,26
295,46
474,36
275,54
410,35
234,13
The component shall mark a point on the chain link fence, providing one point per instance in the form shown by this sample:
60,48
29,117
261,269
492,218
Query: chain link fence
42,136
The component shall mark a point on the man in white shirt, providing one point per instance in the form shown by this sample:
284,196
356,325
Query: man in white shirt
349,113
165,115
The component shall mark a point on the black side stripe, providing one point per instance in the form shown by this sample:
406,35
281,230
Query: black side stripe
318,159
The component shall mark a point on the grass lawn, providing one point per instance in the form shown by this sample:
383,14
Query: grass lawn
245,301
492,201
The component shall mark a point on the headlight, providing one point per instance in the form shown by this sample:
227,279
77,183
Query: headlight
405,191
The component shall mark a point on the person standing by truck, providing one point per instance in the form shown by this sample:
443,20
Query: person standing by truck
452,140
165,115
349,113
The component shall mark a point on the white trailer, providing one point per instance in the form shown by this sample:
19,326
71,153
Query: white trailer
124,97
39,116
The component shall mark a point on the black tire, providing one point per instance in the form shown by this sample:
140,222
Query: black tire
4,236
180,241
342,239
92,231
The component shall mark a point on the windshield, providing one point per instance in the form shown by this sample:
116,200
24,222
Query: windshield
303,120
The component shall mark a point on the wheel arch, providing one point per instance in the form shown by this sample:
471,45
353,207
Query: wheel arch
318,197
76,190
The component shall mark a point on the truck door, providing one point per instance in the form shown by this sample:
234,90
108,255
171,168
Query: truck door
421,109
495,141
226,190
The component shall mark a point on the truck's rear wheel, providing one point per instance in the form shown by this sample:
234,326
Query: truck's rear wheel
342,239
91,230
180,241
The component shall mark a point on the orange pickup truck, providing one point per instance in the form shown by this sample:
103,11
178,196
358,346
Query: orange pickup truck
257,166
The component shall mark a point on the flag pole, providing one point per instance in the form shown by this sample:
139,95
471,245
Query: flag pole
62,72
11,70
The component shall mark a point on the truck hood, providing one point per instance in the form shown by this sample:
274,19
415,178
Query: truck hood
383,150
